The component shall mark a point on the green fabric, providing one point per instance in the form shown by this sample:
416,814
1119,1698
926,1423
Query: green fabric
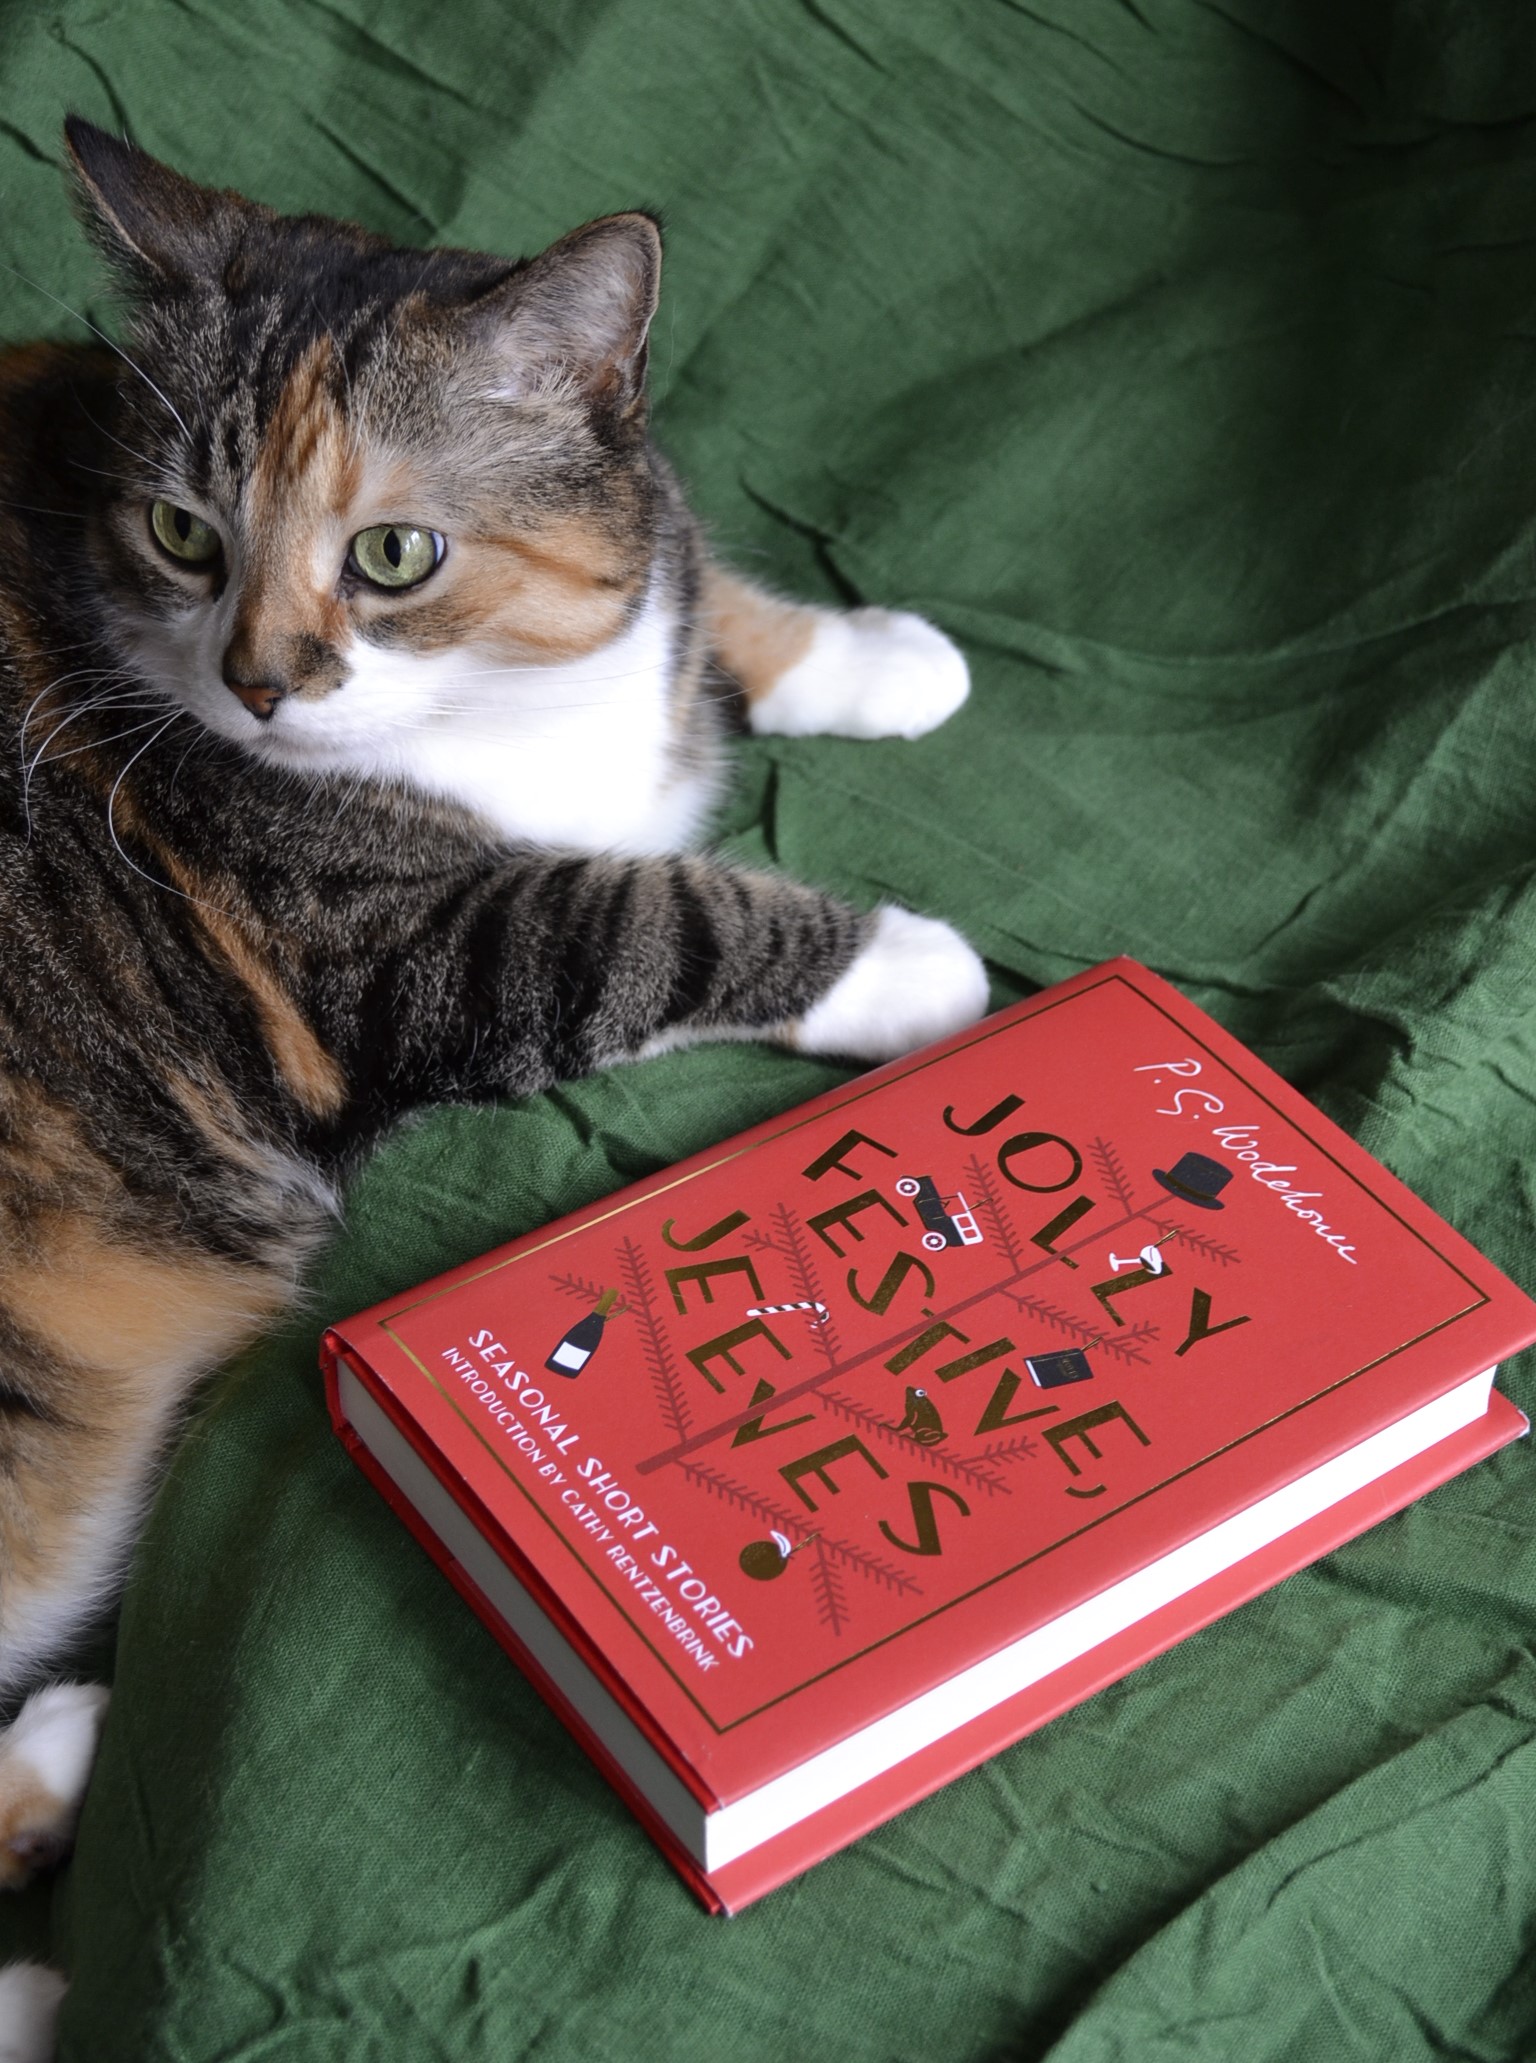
1179,360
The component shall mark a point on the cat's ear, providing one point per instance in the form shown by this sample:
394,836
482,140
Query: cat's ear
155,226
580,311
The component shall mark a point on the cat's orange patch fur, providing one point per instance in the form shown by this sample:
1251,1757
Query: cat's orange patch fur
212,1109
28,1810
531,597
756,637
116,1329
119,1310
303,484
551,595
311,1073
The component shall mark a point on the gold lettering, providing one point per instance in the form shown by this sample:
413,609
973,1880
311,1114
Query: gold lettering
920,1496
820,1462
1030,1142
754,1429
702,1273
824,1163
844,1214
994,1116
721,1229
1200,1326
902,1265
722,1349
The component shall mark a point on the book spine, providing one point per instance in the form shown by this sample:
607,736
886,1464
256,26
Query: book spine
333,1351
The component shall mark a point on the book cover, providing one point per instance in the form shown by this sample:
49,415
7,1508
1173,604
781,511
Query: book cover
801,1445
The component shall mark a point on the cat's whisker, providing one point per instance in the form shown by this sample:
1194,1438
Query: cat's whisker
353,444
31,508
92,744
200,737
114,700
118,479
82,673
170,888
131,364
149,464
118,675
43,756
75,645
115,675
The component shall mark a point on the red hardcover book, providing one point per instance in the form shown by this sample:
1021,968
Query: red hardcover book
805,1475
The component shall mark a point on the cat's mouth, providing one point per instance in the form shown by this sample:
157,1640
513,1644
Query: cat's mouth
288,743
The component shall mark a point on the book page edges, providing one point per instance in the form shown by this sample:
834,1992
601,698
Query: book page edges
734,1845
738,1884
934,1713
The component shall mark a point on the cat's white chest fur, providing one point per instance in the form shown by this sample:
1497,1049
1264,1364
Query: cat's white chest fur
574,754
581,754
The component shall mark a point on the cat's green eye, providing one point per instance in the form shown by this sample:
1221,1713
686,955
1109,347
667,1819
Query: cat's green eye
396,555
184,536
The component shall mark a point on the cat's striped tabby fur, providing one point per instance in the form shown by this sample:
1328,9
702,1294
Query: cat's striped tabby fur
362,678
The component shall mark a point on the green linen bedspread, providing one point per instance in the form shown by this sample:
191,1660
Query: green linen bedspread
1180,360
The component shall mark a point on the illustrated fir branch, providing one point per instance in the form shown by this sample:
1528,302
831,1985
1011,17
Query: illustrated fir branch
1128,1345
850,1556
827,1589
802,1269
1110,1166
589,1292
1198,1243
845,1552
635,1274
761,1508
1124,1346
972,1470
1020,1448
989,1206
790,1243
1079,1329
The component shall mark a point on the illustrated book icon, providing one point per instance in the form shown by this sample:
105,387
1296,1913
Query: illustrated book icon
802,1477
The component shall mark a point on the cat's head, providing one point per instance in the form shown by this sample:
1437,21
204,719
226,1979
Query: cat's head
356,487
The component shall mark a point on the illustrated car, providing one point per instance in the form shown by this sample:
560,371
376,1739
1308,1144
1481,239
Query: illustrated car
948,1220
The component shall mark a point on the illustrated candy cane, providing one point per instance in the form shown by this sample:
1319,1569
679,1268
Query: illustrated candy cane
806,1304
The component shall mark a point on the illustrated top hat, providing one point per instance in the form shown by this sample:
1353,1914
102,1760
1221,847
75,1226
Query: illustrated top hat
1195,1179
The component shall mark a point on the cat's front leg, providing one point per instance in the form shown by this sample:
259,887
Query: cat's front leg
914,980
548,967
602,960
860,673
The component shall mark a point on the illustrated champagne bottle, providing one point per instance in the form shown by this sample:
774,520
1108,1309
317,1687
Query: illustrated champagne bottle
580,1343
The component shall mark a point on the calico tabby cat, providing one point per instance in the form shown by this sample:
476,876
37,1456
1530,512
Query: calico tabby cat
360,684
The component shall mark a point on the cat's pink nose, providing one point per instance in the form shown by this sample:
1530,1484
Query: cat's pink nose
260,697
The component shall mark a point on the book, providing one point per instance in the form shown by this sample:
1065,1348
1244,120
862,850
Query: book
803,1476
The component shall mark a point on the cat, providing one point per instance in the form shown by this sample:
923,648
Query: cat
365,682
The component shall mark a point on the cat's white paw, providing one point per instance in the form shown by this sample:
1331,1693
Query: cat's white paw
875,673
45,1764
915,981
30,1997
